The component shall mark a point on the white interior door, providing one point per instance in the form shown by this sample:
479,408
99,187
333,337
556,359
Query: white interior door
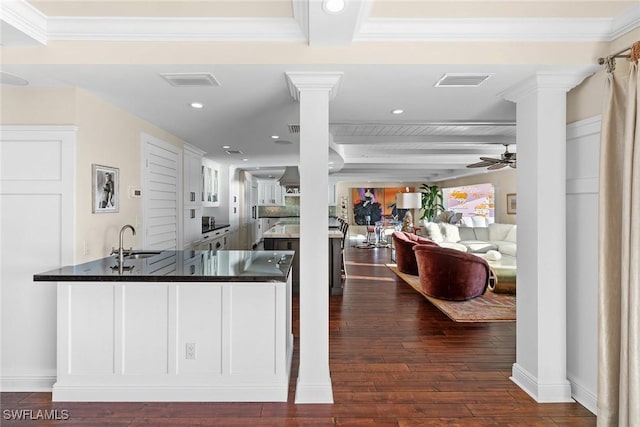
162,194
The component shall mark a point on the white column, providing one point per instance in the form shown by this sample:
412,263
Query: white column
540,367
314,90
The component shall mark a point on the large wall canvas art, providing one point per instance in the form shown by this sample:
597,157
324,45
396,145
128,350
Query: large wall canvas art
471,200
371,205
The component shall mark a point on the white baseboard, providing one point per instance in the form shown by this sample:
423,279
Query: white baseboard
584,396
165,393
314,393
541,393
27,383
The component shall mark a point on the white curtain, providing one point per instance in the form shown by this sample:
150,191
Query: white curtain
619,249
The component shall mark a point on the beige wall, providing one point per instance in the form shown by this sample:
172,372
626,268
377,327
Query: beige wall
585,100
107,136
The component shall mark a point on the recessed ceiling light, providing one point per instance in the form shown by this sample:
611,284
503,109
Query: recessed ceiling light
397,111
245,160
330,167
330,163
333,6
197,105
226,146
274,137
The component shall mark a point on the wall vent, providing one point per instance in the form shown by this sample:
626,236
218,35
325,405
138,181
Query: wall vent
294,129
462,80
233,152
191,79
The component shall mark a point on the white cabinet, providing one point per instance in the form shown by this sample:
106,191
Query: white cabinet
332,195
192,213
192,231
270,193
192,160
210,175
214,240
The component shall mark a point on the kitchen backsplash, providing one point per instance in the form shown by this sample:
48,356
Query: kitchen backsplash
291,208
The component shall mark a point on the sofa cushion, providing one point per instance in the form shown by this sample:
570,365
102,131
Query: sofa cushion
479,246
449,232
482,233
433,232
466,221
507,248
466,233
479,221
450,245
511,235
499,231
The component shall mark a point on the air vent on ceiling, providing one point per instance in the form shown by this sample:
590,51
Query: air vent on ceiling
462,80
283,142
294,129
191,79
233,152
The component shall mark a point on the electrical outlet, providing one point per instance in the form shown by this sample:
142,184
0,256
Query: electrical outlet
190,350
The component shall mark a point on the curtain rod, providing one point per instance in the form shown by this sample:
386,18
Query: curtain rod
618,54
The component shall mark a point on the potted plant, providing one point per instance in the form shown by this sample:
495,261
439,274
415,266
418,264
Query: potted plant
432,200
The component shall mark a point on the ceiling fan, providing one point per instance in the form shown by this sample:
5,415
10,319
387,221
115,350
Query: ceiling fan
506,159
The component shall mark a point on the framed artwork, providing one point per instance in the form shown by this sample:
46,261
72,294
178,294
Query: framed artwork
105,184
375,204
511,203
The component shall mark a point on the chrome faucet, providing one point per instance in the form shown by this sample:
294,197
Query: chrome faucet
121,250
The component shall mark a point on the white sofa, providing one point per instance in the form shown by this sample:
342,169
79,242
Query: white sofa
497,237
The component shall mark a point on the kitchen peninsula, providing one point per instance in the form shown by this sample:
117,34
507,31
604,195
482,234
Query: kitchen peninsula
174,326
286,236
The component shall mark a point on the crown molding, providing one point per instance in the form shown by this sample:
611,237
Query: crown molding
26,19
36,26
174,29
627,21
486,29
301,15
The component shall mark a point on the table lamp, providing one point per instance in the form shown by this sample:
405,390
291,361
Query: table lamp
408,201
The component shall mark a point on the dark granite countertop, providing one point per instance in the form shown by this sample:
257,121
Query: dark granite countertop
209,228
180,266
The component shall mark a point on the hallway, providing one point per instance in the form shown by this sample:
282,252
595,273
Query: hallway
395,360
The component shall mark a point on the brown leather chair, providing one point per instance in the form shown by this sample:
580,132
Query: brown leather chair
450,274
404,243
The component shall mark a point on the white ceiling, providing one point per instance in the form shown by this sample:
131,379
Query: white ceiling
441,130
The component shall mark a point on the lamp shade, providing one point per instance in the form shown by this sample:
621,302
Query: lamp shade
409,200
291,176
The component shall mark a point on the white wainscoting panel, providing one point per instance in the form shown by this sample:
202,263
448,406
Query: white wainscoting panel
253,349
200,323
143,329
146,328
583,150
91,324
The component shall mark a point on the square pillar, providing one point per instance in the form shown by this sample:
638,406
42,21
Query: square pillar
314,90
541,343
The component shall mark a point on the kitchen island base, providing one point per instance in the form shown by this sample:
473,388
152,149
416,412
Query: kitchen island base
174,341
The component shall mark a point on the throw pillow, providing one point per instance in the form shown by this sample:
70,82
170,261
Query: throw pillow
433,232
511,235
450,232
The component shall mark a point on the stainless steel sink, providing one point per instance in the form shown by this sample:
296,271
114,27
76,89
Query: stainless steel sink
142,254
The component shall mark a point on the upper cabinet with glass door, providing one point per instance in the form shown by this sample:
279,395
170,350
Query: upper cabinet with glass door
210,183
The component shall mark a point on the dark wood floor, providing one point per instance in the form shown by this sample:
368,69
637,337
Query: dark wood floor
395,361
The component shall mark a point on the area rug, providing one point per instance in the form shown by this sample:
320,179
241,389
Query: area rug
490,307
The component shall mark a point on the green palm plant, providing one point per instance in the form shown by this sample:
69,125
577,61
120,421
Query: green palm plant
432,201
